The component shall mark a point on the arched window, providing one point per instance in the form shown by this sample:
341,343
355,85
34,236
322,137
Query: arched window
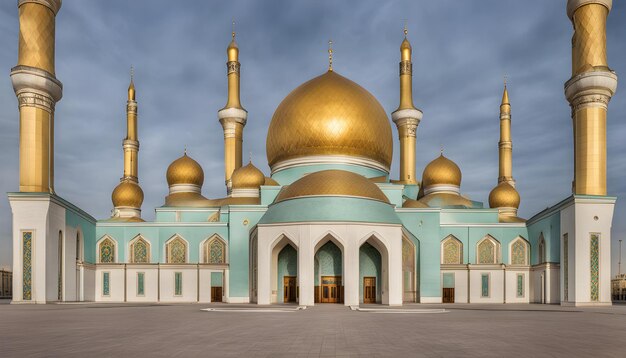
139,251
519,252
542,249
176,250
106,250
214,251
452,251
488,250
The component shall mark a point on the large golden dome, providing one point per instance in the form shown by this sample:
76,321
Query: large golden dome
185,170
247,177
330,115
332,183
441,171
504,196
127,194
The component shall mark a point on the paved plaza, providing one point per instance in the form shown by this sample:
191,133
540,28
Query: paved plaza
100,330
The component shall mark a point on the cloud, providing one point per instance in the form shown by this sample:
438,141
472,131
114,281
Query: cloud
461,51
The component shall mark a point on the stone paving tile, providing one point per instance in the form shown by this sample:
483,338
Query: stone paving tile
325,330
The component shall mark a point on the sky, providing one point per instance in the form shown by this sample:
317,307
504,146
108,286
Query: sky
461,52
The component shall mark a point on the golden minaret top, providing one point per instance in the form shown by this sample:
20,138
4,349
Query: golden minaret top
233,73
406,74
131,86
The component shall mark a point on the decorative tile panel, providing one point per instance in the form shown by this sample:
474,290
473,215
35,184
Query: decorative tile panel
107,251
486,252
520,285
177,251
452,251
140,283
484,283
178,283
216,252
27,266
106,283
595,266
518,253
140,251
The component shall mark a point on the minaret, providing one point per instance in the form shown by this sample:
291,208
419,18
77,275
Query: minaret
233,116
505,145
127,197
589,91
37,91
406,117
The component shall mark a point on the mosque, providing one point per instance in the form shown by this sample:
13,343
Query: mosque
330,223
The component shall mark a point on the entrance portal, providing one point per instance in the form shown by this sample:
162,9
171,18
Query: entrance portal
369,289
448,295
331,289
289,289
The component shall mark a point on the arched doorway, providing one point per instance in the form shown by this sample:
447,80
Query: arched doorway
287,275
328,273
370,278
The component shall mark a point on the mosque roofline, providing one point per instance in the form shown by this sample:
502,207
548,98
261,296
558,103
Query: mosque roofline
55,199
601,199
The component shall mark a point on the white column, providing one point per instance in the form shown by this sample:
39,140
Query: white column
264,255
225,284
394,270
306,273
351,272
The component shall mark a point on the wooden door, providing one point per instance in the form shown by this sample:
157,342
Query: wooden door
331,289
448,295
216,294
369,289
289,289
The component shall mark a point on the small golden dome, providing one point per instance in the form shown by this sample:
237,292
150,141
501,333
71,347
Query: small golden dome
247,177
330,115
127,194
504,196
332,183
445,200
441,171
410,203
185,170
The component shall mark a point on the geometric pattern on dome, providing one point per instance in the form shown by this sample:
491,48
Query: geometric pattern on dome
332,183
330,115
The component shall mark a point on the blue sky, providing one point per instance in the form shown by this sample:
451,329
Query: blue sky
461,50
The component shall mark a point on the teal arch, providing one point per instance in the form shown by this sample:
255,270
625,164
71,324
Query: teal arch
287,266
328,261
370,266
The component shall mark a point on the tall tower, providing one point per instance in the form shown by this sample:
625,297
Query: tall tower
127,196
586,219
504,196
406,117
589,91
233,116
37,90
505,145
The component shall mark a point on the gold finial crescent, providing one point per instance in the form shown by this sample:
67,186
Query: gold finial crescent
233,29
330,55
505,79
250,158
185,152
406,30
132,73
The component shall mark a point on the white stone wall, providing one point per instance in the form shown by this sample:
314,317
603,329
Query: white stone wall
306,237
190,283
582,217
496,284
116,283
511,274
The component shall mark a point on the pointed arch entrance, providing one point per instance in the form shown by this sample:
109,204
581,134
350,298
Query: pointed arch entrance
328,269
284,271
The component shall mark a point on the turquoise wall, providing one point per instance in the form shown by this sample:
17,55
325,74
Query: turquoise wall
287,266
369,266
550,226
88,229
217,279
328,262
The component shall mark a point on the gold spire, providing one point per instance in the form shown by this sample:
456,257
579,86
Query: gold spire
233,73
505,145
330,55
233,50
406,74
131,86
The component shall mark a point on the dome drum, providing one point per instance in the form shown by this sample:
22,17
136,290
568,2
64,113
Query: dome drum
184,188
442,188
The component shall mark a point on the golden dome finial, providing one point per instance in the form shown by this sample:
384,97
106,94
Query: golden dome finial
131,86
330,55
406,31
233,30
505,94
233,49
185,150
